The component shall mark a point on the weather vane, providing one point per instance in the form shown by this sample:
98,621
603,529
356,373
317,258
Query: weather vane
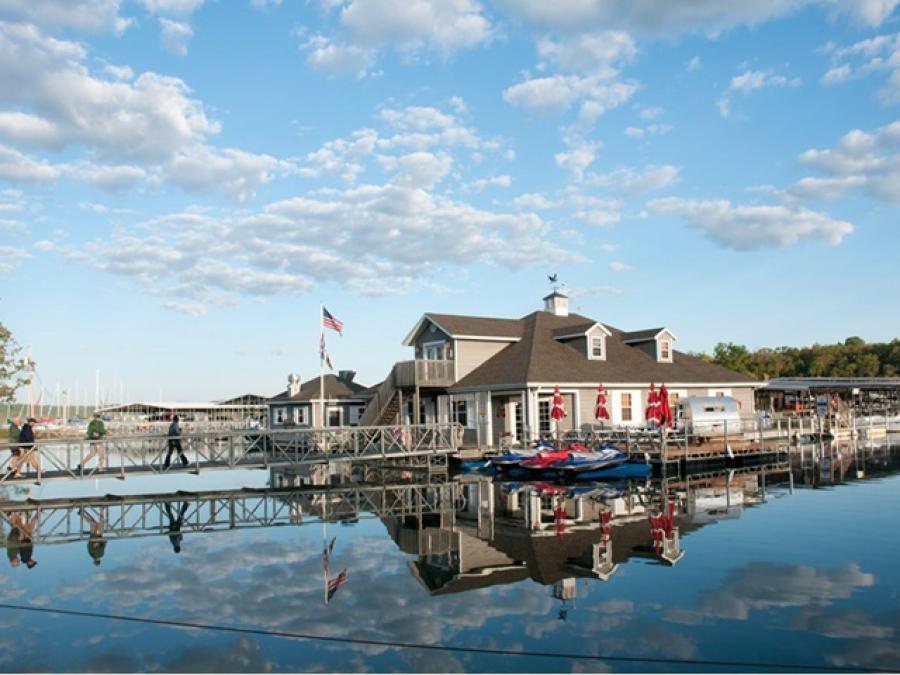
555,283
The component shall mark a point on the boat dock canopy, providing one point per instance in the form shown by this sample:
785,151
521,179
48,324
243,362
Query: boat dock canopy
830,383
150,407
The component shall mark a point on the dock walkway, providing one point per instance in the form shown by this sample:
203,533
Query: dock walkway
61,459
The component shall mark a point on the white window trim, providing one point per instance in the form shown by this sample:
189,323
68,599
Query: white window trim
279,412
726,391
590,350
330,409
637,412
300,415
433,343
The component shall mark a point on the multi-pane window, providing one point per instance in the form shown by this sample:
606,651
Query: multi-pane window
627,411
334,417
664,350
461,413
597,347
673,403
301,415
544,420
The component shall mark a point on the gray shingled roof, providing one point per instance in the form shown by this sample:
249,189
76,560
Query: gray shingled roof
573,330
642,335
538,357
485,326
334,388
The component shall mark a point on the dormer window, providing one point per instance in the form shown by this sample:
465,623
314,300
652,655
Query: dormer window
598,347
664,353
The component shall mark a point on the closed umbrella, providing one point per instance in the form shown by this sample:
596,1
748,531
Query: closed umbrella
600,411
558,410
664,409
652,414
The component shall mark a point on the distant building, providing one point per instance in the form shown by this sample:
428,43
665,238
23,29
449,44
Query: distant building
301,404
496,376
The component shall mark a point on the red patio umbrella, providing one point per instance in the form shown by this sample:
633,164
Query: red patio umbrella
558,411
664,410
653,414
600,411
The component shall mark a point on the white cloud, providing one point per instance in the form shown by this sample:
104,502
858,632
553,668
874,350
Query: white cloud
693,64
107,177
557,93
329,57
879,54
442,25
867,161
19,168
747,228
10,258
533,200
632,182
650,113
750,81
634,132
619,267
175,35
84,15
653,18
370,238
598,54
480,184
578,157
410,27
126,130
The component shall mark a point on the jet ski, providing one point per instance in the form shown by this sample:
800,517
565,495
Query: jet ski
606,457
514,458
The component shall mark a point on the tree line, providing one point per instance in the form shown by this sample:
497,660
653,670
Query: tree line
854,357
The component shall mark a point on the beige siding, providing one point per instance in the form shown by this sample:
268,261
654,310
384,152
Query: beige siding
472,353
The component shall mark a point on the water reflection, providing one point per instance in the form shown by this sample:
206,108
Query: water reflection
711,565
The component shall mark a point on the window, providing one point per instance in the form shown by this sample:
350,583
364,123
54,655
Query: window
626,406
301,415
356,413
280,415
665,350
545,425
673,403
597,347
335,417
461,412
434,351
520,428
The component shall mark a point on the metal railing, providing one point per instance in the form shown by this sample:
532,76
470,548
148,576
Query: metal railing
62,458
129,516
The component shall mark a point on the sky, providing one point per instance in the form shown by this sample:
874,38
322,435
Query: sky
184,182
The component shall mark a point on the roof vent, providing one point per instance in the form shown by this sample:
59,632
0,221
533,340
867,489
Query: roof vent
557,303
346,375
293,384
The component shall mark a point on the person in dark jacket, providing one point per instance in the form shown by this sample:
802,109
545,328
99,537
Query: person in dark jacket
175,443
26,447
175,525
13,433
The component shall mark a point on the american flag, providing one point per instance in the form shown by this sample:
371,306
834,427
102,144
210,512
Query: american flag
330,322
336,583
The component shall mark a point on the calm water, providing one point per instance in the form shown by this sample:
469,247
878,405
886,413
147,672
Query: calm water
772,570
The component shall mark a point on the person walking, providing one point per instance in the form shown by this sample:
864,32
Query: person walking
95,433
19,541
29,454
97,543
175,443
15,429
175,525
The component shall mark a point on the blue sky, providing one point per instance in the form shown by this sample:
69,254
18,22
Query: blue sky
182,182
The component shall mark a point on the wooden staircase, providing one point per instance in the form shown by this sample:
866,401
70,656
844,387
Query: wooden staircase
384,408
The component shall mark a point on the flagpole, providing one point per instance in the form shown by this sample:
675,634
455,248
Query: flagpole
322,362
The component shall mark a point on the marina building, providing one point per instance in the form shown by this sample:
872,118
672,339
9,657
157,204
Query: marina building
302,404
496,376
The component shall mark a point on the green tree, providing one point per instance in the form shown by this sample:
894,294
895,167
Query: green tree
733,357
12,368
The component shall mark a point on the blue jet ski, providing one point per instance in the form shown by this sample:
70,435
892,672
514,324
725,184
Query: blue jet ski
511,459
606,457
